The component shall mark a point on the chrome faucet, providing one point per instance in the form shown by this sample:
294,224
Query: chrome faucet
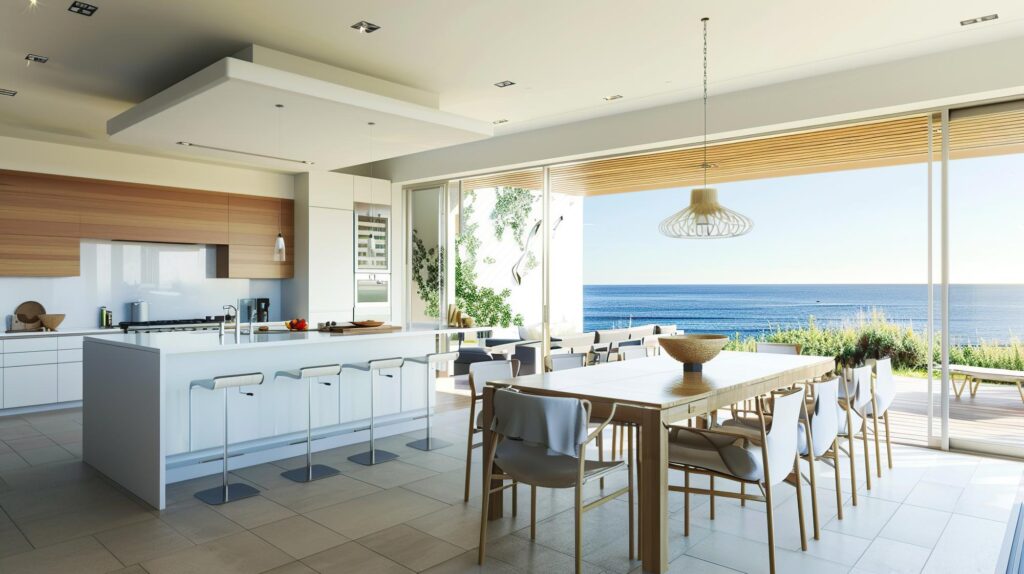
238,322
252,321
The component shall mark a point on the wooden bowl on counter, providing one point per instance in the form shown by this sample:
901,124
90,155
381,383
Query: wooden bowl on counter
693,350
367,323
51,320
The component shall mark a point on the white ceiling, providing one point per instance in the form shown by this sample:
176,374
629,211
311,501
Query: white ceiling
564,55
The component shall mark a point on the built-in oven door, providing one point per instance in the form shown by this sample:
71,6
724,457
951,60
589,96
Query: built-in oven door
373,290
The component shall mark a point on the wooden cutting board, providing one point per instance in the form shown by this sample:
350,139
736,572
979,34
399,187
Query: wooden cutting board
352,330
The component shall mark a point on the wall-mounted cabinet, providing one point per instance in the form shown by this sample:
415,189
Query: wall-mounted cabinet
43,217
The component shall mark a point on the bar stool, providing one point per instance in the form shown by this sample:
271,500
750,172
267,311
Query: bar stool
431,361
374,456
311,471
227,492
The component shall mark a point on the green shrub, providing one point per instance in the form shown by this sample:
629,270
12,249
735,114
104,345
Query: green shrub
873,336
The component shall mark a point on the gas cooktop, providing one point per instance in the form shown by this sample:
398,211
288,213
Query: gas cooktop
172,324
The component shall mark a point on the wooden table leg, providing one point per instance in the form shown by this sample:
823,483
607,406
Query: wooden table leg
654,492
495,509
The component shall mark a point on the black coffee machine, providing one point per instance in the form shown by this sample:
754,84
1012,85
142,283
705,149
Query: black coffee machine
263,310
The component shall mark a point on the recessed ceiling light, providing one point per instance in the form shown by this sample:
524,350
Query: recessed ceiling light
36,59
365,27
501,121
979,20
615,97
82,8
505,83
4,92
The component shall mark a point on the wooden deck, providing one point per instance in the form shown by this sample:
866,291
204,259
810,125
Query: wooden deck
995,415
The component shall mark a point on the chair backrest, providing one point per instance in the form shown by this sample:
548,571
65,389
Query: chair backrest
778,348
885,384
481,372
781,440
641,331
568,361
825,418
558,423
629,343
634,352
612,336
580,340
666,330
859,384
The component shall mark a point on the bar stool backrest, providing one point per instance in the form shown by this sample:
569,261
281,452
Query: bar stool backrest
230,381
781,439
320,371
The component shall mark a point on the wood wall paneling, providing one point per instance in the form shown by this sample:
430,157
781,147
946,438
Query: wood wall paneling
38,256
253,224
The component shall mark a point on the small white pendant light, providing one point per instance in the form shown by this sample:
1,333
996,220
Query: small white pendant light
279,247
705,218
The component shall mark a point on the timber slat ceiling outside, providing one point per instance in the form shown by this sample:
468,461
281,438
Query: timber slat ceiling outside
875,144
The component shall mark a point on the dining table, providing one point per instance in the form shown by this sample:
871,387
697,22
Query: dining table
651,393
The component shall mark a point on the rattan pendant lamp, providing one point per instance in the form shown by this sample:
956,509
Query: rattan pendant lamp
705,218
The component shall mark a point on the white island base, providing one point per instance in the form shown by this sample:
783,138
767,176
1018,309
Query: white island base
137,426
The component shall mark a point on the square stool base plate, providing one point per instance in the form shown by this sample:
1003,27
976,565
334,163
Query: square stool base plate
303,475
215,495
428,444
363,458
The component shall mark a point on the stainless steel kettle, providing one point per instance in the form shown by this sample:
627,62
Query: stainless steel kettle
139,311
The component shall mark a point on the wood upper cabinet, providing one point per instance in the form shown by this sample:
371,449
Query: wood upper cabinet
253,225
43,217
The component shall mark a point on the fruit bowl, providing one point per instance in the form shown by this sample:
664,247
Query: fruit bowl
52,320
693,350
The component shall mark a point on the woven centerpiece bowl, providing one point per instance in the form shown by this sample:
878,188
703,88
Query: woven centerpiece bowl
693,350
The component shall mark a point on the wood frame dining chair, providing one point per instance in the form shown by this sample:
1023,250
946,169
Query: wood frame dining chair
883,393
855,396
764,458
497,369
540,464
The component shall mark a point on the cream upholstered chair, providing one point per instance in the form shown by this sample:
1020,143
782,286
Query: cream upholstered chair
634,352
542,442
883,392
854,399
763,458
479,373
567,361
778,348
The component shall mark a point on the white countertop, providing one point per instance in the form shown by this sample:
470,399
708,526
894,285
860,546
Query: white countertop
181,342
61,333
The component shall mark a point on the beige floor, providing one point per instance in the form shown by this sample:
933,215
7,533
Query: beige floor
935,512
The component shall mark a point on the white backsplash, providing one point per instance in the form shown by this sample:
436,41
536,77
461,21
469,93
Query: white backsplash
178,281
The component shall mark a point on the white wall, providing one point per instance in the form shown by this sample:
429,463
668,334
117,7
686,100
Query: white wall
62,159
942,79
178,281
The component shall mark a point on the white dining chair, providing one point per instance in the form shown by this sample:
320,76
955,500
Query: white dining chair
542,442
568,361
764,458
883,394
854,398
778,348
634,352
479,373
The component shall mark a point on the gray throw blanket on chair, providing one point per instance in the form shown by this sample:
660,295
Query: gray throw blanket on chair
557,423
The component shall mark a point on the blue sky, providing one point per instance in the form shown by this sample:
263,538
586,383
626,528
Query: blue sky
859,226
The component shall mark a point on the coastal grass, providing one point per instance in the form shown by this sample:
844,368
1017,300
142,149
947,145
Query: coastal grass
874,336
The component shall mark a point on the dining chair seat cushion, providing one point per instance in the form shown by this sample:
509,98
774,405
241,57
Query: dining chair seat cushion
715,452
536,465
750,425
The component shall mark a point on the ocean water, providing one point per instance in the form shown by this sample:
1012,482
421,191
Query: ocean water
990,312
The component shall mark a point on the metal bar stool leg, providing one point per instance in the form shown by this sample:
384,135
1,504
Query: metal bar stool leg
428,443
372,456
226,492
311,471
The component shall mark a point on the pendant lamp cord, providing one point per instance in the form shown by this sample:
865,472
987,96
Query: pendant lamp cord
705,165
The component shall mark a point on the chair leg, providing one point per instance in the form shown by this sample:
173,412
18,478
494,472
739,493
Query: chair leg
615,433
483,511
469,446
888,439
853,463
743,490
686,503
533,512
814,493
878,447
711,497
515,498
839,488
800,503
579,527
770,514
600,454
630,498
867,452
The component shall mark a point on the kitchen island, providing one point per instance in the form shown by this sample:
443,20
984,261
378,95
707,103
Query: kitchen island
140,430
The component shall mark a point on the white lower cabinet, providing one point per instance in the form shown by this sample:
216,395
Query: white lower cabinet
69,382
30,385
